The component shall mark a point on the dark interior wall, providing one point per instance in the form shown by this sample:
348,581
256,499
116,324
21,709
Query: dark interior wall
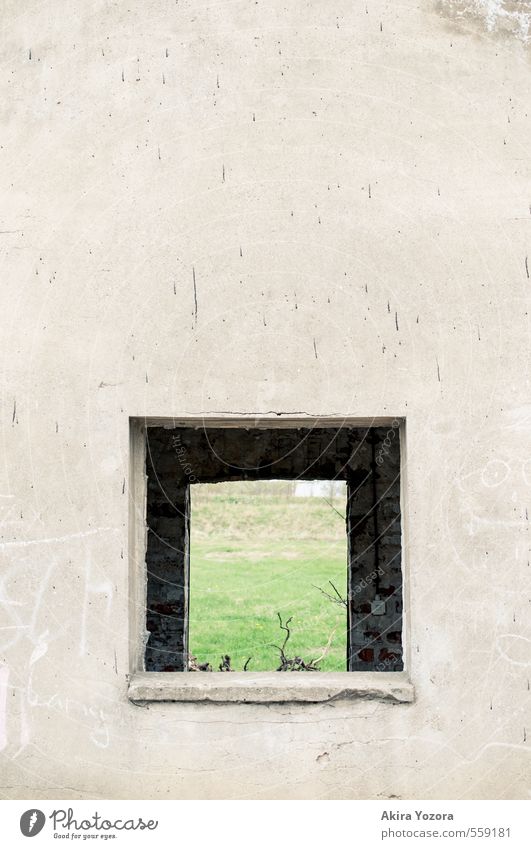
166,563
375,555
179,456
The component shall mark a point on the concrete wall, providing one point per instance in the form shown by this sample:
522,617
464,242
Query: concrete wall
248,207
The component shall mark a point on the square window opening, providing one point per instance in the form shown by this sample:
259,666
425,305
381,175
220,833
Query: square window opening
237,521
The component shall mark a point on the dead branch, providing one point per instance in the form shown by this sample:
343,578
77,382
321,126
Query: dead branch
287,630
291,664
337,599
325,650
194,666
225,666
285,627
297,664
333,508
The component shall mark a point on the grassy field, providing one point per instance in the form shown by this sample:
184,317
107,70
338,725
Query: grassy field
253,555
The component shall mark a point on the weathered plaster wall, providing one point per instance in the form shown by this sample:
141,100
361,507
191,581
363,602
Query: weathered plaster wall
254,207
510,18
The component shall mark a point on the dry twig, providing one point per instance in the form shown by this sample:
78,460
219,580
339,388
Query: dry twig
292,664
194,666
337,599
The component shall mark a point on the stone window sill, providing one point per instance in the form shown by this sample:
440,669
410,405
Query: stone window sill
269,687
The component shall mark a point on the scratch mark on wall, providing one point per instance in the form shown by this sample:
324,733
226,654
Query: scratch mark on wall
104,588
40,649
515,643
25,734
195,297
52,540
4,677
100,735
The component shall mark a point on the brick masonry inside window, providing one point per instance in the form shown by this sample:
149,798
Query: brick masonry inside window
368,459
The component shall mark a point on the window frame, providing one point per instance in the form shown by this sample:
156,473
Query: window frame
248,687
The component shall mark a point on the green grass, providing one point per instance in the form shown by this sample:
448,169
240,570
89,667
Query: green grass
255,555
